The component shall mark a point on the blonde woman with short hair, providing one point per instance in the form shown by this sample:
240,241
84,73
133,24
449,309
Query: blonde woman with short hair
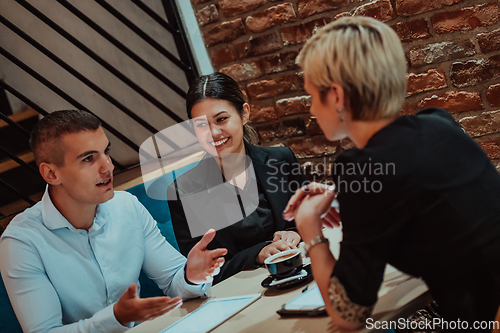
417,192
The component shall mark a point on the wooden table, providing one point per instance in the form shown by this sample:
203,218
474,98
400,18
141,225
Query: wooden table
399,296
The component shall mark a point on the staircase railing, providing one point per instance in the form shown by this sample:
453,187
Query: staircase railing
185,62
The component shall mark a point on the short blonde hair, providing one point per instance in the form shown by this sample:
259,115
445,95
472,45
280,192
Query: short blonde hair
366,58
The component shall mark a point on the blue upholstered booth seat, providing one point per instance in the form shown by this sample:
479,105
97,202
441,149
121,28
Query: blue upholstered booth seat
160,212
8,320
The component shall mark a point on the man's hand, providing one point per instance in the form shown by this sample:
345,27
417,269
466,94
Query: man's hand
131,307
202,264
273,248
290,237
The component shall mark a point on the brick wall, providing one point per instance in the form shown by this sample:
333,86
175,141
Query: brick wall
452,49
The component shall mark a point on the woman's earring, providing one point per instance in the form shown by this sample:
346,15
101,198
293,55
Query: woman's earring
341,114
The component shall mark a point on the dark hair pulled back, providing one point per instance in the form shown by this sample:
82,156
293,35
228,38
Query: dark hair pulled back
219,86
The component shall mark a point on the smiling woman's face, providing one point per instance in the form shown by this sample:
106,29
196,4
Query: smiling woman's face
218,126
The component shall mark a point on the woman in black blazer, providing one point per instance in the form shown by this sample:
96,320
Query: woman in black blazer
220,116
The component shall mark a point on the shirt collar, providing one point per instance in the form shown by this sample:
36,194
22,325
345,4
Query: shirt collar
53,219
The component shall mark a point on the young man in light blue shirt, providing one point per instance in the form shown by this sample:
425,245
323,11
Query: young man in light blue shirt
71,263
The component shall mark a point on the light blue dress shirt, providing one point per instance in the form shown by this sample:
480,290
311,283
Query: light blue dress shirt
62,279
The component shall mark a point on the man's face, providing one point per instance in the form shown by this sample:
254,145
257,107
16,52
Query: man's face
86,177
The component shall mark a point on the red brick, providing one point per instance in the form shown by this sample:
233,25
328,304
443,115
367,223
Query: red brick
412,30
243,71
440,52
315,146
485,123
207,15
300,80
278,62
259,113
267,132
196,2
346,144
244,91
344,14
307,8
378,9
408,109
412,7
224,32
489,41
466,18
287,129
222,55
473,71
309,168
454,101
293,105
301,32
274,87
433,79
493,95
293,127
270,17
312,126
232,7
319,171
491,147
259,45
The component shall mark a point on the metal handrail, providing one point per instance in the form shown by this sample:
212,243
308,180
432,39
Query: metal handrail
21,195
16,125
172,29
173,26
99,60
122,48
19,161
143,35
65,96
83,79
173,16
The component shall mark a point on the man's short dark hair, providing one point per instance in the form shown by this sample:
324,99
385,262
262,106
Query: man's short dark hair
45,137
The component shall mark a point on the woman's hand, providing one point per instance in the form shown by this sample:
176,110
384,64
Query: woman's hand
330,217
313,211
290,237
269,250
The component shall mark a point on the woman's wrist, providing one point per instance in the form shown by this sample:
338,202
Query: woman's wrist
310,230
314,242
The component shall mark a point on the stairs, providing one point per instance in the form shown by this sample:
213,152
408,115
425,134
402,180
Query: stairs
19,177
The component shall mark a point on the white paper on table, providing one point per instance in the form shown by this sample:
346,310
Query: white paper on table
310,298
211,314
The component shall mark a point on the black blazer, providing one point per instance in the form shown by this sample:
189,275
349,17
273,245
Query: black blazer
278,162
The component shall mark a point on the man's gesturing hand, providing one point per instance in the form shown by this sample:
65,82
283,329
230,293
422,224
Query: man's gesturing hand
202,264
131,307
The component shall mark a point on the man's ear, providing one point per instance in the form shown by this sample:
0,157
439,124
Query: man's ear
245,114
49,172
